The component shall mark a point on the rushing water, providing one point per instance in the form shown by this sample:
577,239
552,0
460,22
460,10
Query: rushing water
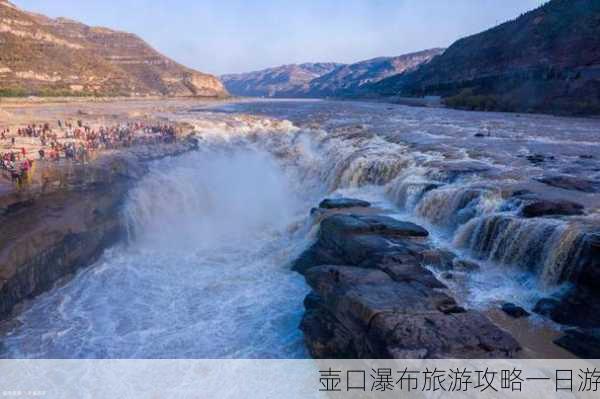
453,172
204,273
205,270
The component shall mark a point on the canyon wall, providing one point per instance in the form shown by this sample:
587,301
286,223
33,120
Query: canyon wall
66,218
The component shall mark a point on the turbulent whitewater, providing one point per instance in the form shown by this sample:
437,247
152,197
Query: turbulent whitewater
205,271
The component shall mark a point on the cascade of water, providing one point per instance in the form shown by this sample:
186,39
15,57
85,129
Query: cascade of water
205,197
547,247
205,272
375,163
451,206
409,188
564,257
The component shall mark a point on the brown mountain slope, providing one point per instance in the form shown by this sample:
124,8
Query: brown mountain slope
281,81
348,80
44,56
547,60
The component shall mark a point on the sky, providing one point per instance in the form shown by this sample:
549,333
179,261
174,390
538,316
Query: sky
230,36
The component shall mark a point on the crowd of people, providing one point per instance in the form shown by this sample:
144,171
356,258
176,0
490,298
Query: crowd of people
74,142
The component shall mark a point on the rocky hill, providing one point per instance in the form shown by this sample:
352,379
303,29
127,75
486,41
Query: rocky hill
44,56
349,79
547,60
282,81
323,79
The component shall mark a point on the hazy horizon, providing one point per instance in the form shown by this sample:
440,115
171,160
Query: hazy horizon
221,37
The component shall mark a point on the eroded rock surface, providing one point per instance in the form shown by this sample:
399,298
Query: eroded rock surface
49,57
571,183
373,298
537,208
65,219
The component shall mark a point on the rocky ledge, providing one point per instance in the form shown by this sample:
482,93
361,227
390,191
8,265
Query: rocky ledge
65,219
373,298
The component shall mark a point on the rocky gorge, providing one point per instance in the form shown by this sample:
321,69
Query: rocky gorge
502,227
430,223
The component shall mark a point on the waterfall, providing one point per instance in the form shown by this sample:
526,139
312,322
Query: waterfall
452,206
563,261
409,188
549,248
205,272
203,198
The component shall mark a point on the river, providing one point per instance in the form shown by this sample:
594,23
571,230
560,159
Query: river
205,270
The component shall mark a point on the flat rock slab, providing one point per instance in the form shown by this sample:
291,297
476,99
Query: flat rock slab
361,240
340,203
381,225
386,318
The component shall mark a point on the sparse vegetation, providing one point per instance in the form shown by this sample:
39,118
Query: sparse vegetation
466,99
44,92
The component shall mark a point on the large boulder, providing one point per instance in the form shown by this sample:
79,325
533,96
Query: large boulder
373,297
364,313
579,307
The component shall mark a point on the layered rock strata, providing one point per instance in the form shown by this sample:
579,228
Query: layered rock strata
373,298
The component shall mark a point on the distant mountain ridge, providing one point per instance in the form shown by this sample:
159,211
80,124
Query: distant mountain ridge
45,56
322,79
278,81
547,60
348,80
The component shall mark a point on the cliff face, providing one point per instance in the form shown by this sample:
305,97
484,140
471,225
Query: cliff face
547,60
350,79
66,219
282,81
40,55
